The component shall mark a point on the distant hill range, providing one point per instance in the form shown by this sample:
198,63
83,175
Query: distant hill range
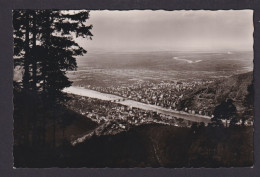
177,61
207,97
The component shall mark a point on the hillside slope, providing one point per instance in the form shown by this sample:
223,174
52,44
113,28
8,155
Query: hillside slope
207,97
151,145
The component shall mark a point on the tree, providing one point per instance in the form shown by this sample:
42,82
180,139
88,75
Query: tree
57,35
249,100
225,111
34,53
249,103
44,46
21,24
215,122
44,39
233,122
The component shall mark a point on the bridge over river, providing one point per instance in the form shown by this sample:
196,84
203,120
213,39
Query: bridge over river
124,101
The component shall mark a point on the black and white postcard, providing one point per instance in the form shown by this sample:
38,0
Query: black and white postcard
136,88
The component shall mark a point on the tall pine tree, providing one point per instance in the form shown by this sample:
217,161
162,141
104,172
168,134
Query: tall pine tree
44,46
44,41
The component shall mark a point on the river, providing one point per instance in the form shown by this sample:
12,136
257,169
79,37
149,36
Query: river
124,101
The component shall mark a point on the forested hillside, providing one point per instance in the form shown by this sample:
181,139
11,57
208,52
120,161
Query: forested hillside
209,96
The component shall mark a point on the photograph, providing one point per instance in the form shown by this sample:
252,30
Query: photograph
133,88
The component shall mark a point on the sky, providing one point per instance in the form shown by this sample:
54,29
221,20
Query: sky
146,30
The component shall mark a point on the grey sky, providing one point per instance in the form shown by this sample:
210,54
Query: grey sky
170,30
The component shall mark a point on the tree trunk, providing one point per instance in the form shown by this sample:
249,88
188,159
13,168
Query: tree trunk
36,136
54,131
63,133
26,56
26,78
34,62
43,132
226,122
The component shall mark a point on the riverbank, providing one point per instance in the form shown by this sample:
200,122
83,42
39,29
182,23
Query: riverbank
113,118
131,103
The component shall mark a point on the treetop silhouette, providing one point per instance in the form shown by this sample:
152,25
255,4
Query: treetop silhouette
44,46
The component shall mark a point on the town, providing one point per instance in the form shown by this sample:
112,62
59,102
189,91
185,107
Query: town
163,94
117,117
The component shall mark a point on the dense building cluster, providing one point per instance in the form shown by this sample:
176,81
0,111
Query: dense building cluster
164,94
119,117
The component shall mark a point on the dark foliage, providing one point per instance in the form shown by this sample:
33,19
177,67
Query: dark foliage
33,121
225,111
44,47
150,146
249,102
